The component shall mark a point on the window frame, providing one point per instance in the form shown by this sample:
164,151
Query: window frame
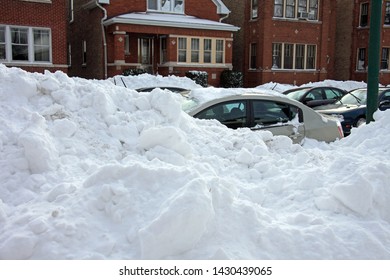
185,49
361,57
284,56
254,9
364,14
158,5
296,9
29,44
385,56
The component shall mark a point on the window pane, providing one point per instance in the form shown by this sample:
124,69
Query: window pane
194,50
19,37
182,52
152,4
41,45
219,51
276,56
385,59
288,56
254,9
253,59
364,14
207,51
299,56
311,57
179,6
290,9
313,9
2,42
387,13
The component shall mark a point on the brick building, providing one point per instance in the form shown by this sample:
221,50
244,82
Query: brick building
33,34
168,37
353,40
286,41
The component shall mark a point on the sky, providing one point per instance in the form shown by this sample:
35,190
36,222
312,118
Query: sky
92,169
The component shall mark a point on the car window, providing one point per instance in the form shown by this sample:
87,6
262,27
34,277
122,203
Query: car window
355,97
271,112
386,96
332,93
233,114
315,94
298,94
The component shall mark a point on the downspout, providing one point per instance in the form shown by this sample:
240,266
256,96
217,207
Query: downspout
104,38
223,18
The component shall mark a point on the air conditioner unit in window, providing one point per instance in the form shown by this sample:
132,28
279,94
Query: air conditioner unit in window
303,15
104,1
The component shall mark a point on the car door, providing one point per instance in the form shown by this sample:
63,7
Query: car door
384,101
278,117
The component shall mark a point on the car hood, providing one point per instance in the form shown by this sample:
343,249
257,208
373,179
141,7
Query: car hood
337,108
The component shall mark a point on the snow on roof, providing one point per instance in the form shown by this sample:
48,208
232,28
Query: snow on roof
170,20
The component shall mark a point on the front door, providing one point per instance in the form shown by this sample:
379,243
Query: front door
145,54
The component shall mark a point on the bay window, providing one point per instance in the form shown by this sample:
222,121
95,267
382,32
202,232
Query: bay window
200,50
296,9
293,56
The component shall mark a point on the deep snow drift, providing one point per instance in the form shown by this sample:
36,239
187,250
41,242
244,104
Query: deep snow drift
93,170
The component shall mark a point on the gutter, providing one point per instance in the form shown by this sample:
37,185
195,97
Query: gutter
104,37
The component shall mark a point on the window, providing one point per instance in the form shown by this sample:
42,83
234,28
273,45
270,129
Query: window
311,57
19,43
364,14
300,57
200,50
293,9
253,54
219,53
127,44
41,45
293,56
385,59
194,50
171,6
270,112
26,44
182,50
207,51
163,45
145,50
2,43
387,13
361,62
255,9
288,56
276,56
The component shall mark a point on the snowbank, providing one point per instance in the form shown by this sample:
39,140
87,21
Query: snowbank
93,170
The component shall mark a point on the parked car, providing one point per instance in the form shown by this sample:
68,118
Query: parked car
182,91
351,109
315,96
278,114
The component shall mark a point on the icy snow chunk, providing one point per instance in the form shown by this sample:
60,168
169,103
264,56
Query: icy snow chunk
39,149
64,128
181,223
18,247
356,194
168,137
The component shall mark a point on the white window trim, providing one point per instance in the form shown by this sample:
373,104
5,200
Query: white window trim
294,58
296,12
30,42
160,10
201,51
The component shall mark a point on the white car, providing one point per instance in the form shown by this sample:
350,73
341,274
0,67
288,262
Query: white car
280,115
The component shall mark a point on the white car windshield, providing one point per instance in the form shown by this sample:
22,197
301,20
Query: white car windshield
356,97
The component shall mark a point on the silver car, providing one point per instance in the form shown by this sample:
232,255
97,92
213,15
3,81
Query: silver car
280,115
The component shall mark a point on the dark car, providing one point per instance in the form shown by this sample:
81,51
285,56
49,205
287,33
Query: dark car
351,109
315,96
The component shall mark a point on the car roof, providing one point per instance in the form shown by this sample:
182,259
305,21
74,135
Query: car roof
246,96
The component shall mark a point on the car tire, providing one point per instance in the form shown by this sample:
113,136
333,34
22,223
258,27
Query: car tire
360,122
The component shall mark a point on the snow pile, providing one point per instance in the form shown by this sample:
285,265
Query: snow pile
92,170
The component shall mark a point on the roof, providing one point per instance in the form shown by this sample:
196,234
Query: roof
170,20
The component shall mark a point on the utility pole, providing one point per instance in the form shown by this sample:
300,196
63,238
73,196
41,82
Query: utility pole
374,58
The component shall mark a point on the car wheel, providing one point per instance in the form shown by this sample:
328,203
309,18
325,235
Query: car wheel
360,122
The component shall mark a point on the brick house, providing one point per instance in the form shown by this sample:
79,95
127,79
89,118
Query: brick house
353,40
285,41
168,37
33,34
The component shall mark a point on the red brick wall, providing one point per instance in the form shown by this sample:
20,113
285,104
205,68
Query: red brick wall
52,15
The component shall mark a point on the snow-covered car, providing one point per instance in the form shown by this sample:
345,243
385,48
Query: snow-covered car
351,109
182,91
315,96
278,114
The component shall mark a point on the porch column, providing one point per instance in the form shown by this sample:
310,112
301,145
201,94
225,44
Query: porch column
119,47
